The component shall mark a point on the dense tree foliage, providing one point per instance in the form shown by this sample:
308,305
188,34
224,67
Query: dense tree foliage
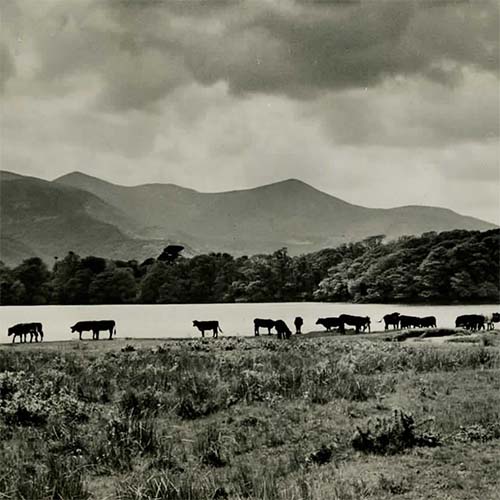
454,266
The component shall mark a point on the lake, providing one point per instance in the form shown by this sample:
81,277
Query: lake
162,321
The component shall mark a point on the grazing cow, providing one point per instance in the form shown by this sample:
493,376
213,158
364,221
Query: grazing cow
428,322
282,329
95,327
491,319
329,323
21,330
359,322
263,323
409,321
298,322
36,329
203,326
470,322
391,319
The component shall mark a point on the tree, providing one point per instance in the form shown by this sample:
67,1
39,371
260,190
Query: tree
113,287
34,275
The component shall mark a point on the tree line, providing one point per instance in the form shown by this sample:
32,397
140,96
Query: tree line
450,267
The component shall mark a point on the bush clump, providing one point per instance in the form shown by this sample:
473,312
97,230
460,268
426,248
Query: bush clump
391,435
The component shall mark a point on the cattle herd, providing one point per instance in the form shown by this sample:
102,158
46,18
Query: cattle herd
471,322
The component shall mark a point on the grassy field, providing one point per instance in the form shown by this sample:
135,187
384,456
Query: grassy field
316,418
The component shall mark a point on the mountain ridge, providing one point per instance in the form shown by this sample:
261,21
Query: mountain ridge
135,221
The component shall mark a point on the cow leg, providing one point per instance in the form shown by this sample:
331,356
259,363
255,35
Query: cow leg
80,335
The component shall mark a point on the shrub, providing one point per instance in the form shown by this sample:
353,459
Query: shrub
121,440
139,404
392,435
198,395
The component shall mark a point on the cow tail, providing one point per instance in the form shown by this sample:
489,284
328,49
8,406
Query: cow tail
114,330
220,329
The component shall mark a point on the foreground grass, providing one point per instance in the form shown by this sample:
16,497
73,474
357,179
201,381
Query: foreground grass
248,418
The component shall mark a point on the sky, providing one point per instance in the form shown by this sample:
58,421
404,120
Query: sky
380,103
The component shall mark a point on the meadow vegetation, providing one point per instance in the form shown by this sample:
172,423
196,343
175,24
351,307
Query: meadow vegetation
255,418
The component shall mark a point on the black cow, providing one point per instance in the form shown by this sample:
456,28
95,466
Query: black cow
470,322
203,326
298,322
329,323
36,329
282,329
22,330
428,322
359,322
409,321
391,320
263,323
95,327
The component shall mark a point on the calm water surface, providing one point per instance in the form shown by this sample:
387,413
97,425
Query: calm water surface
143,321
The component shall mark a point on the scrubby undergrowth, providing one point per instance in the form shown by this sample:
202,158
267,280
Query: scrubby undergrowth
237,418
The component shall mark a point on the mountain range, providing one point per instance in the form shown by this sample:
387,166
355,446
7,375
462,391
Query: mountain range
91,216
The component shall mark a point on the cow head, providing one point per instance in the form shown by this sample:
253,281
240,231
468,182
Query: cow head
73,328
320,321
195,323
10,331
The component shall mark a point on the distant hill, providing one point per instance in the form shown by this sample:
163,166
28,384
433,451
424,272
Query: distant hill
89,215
48,219
288,213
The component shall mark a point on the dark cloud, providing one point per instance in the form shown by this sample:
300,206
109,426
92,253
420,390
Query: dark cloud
143,50
302,48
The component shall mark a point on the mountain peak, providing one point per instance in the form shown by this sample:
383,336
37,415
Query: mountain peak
81,180
76,174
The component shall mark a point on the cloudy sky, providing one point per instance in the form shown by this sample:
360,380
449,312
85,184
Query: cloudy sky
381,103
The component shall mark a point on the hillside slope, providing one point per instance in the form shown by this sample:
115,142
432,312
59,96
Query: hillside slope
49,219
288,213
90,216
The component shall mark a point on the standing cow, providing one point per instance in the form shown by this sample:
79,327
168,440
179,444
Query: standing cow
428,322
95,327
409,321
203,326
470,322
262,323
359,322
391,320
491,319
22,330
329,323
298,322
